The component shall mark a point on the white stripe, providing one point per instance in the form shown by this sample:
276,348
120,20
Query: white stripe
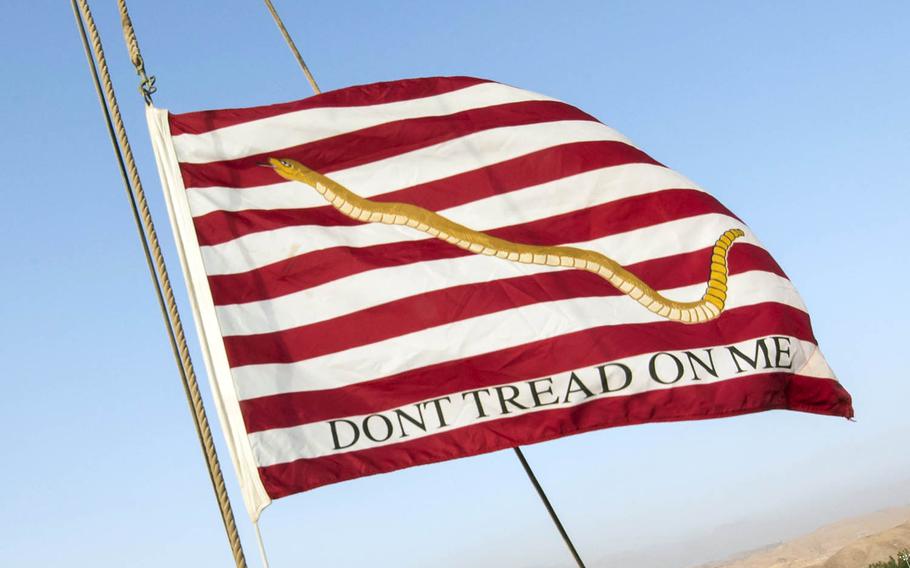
558,197
816,366
313,440
303,126
290,195
431,163
285,195
361,291
484,334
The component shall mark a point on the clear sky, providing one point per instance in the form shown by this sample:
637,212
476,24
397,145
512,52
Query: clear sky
794,114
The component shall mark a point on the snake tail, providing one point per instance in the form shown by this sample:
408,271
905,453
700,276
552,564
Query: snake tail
707,308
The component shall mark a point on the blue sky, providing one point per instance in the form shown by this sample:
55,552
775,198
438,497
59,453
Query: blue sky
794,114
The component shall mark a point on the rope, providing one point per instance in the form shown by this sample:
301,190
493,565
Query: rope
152,248
292,45
147,84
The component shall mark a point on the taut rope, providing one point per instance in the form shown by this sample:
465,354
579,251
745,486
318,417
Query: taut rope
149,239
293,46
146,83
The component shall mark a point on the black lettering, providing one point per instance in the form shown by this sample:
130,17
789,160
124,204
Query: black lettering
778,362
419,423
437,402
535,394
709,366
335,439
760,348
386,421
503,399
475,394
575,381
604,379
652,368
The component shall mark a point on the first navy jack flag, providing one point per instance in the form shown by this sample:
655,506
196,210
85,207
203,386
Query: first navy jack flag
435,268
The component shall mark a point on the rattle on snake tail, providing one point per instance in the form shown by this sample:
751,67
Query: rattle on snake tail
358,208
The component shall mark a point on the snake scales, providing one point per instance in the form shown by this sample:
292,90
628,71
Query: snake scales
352,205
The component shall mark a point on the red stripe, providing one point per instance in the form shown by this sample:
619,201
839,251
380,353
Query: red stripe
532,360
376,143
318,267
457,303
727,398
525,171
360,95
220,227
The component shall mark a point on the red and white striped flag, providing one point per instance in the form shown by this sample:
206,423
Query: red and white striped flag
340,347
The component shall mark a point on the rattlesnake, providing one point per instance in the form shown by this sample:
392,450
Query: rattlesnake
358,208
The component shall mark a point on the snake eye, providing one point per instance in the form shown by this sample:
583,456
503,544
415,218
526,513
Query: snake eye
285,163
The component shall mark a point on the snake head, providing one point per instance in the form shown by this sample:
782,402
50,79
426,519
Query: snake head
283,166
292,170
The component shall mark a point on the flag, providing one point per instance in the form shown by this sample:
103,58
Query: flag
406,272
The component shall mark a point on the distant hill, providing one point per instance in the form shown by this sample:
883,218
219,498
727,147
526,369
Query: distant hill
870,549
851,543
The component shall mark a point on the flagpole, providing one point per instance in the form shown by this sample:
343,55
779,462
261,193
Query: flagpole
550,509
148,237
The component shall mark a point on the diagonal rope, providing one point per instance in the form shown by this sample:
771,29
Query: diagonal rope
521,458
152,248
293,46
146,84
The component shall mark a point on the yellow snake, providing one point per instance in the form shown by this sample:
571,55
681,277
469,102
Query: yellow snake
358,208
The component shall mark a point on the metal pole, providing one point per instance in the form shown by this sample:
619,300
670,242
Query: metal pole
546,503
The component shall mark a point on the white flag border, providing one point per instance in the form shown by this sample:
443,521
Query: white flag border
216,362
